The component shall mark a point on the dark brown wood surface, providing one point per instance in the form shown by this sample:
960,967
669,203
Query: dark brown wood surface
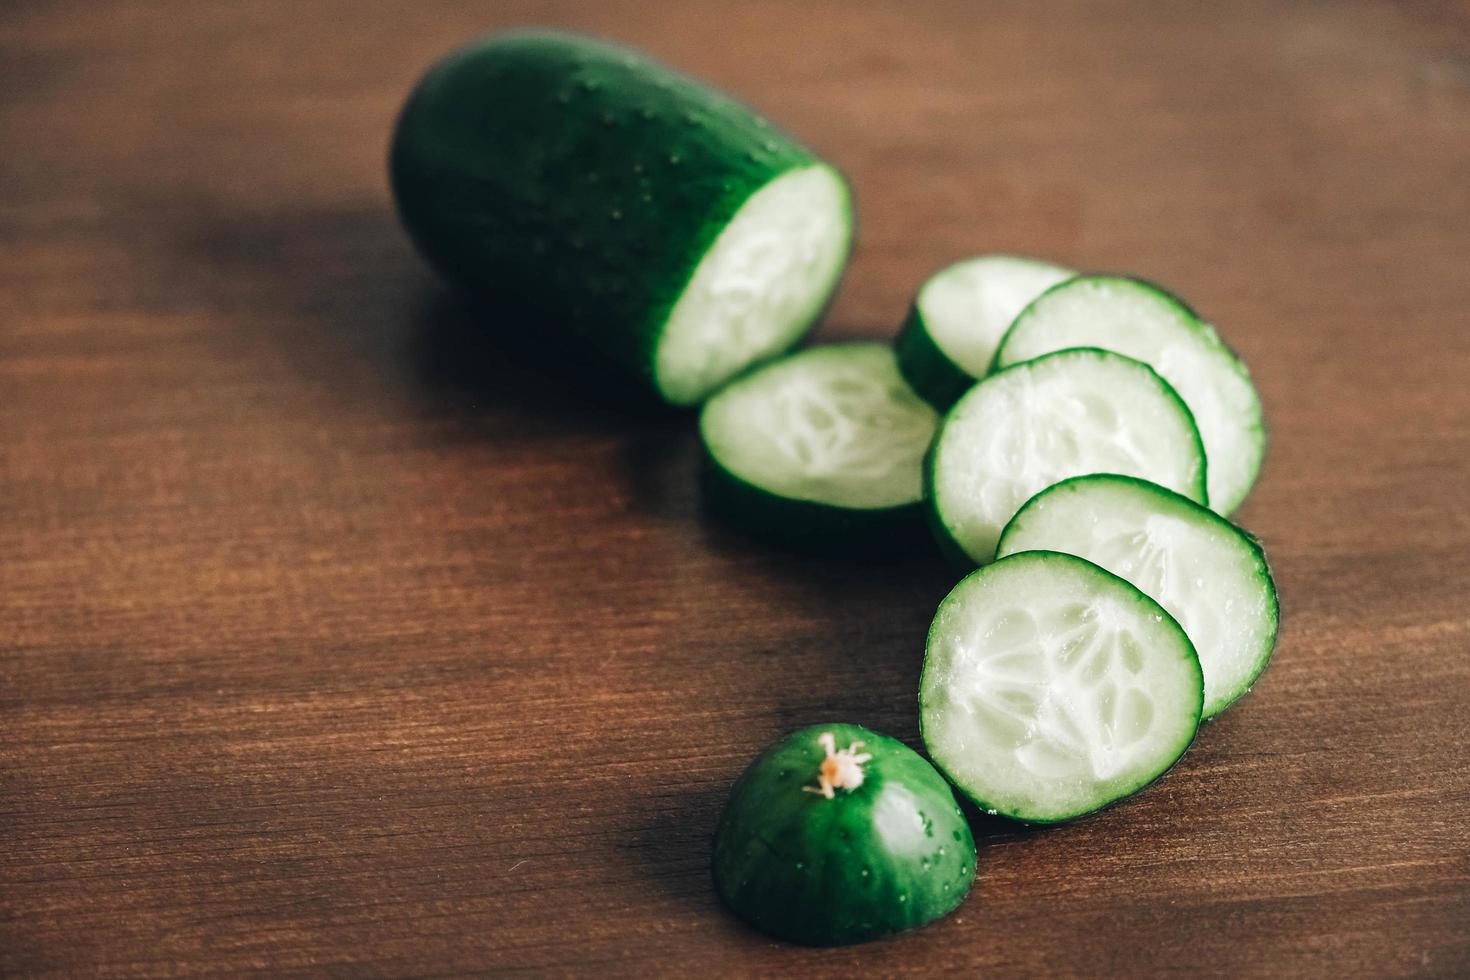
333,641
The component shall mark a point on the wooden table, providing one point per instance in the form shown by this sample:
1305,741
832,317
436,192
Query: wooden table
332,641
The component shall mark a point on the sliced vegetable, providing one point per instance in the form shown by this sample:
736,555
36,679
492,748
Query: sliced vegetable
1209,574
822,448
1064,414
1145,322
660,224
838,835
960,314
1052,688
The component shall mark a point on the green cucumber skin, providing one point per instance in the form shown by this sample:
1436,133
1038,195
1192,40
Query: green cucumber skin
1029,821
816,871
578,180
927,369
806,526
942,536
1178,500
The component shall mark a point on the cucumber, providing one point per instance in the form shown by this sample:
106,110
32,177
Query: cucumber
1209,574
1064,414
959,316
668,230
1052,688
1143,321
838,835
821,449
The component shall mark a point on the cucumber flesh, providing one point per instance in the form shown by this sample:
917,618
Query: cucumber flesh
759,286
1064,414
1144,322
832,425
1209,574
1052,688
960,315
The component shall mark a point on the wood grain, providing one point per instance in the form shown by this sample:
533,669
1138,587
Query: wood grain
335,641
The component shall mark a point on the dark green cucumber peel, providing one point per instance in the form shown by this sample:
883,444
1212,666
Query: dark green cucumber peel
807,526
891,854
929,370
579,180
937,375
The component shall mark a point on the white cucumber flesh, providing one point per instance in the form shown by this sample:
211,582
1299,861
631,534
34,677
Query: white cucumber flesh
1065,414
1052,688
760,285
968,306
1146,323
833,425
1209,574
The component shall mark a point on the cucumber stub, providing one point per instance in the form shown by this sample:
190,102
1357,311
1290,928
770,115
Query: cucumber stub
959,316
820,449
664,230
1029,426
1142,321
838,835
1209,574
1052,688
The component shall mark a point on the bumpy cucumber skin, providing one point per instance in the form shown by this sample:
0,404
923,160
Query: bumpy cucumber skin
807,526
821,872
927,369
1169,499
946,540
1211,337
577,180
1154,609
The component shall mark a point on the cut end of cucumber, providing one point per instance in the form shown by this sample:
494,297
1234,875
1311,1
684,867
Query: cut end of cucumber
833,425
1052,688
968,306
760,285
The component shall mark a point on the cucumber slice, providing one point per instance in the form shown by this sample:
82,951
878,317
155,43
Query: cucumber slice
1143,321
1065,414
1052,688
959,316
824,447
664,228
838,835
1209,574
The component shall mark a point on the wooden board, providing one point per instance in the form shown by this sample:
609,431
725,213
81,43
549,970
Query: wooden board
334,642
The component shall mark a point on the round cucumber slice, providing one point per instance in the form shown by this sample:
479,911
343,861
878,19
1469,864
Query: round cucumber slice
1209,574
1029,426
959,316
824,446
1144,322
662,229
839,835
1052,688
